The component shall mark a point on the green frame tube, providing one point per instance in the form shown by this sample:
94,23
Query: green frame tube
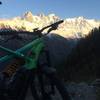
18,52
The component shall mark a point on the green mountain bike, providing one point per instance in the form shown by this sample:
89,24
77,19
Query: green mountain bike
25,65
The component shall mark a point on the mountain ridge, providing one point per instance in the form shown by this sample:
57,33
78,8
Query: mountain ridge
71,27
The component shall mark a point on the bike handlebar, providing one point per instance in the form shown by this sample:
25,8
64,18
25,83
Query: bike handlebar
53,26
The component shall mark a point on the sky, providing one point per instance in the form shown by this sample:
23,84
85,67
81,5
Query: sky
62,8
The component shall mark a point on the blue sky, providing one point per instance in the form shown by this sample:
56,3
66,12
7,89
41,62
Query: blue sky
62,8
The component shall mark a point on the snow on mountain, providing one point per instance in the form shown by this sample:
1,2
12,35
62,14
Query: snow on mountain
79,25
71,27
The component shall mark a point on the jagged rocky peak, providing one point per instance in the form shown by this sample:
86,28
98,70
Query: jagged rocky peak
28,16
81,18
41,15
52,15
28,13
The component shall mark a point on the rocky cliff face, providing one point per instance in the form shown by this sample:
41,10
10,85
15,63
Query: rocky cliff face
71,27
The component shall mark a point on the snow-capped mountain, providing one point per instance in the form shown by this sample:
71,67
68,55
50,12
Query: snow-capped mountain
71,27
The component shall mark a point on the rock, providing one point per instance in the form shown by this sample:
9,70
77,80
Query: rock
81,91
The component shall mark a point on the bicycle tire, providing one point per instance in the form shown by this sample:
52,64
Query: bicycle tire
21,92
59,86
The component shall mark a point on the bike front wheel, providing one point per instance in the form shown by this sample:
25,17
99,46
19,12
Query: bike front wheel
48,86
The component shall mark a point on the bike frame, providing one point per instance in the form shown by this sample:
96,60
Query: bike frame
30,61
